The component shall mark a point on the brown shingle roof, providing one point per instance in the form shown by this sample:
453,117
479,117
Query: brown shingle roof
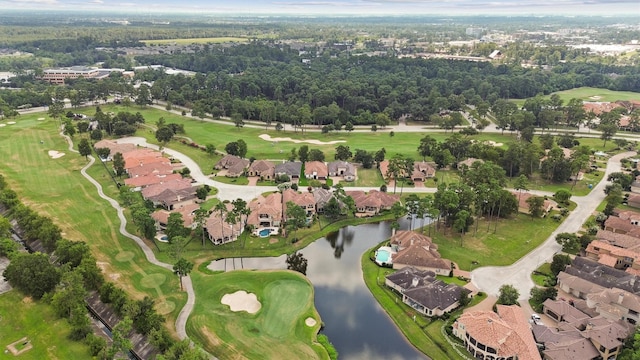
315,168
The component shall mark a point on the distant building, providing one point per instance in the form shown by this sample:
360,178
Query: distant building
58,76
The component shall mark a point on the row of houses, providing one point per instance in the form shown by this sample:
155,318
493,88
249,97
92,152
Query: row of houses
234,166
421,171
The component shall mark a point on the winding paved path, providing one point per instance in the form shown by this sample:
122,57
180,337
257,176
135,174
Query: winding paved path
490,278
181,320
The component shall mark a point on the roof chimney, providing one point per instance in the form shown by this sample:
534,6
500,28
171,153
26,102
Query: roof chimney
414,282
620,298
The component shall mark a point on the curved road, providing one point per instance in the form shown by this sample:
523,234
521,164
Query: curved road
489,279
181,320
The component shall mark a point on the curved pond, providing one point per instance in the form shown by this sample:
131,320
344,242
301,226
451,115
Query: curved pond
354,322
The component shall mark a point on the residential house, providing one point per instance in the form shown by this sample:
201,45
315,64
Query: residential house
263,169
322,197
219,230
422,171
423,292
155,168
635,185
143,156
624,222
266,211
627,259
616,304
578,335
417,250
599,108
233,165
495,55
303,199
634,200
505,335
603,275
291,168
373,202
316,170
523,206
114,148
384,169
170,194
140,182
342,169
161,217
467,163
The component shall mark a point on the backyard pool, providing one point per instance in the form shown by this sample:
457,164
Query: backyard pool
264,232
383,255
163,238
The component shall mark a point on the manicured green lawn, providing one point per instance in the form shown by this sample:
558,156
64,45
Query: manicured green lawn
513,239
366,177
55,188
21,317
276,331
592,94
544,272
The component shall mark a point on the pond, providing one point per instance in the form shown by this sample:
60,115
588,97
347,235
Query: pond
354,321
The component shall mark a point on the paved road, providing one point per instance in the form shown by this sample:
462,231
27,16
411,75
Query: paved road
489,279
181,320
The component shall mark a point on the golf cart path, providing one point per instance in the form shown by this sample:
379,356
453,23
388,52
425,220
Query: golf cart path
490,278
181,320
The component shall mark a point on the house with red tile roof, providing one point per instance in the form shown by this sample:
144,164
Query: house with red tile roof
634,200
161,217
139,182
143,156
316,170
417,250
219,230
523,206
114,148
305,200
599,108
266,211
505,335
373,202
614,256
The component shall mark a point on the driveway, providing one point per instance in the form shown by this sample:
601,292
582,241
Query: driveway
490,279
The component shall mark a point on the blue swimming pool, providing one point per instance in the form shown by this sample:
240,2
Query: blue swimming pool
264,232
383,256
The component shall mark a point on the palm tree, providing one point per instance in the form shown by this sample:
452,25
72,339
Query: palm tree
222,209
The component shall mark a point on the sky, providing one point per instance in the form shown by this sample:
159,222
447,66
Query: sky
344,7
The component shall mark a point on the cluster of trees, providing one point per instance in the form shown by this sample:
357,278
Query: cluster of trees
66,279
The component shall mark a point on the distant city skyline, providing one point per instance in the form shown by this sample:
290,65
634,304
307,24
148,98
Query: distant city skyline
343,7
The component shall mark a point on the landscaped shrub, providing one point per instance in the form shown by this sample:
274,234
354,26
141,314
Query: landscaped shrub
331,350
96,344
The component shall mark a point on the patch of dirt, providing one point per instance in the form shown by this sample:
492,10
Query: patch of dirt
165,307
27,300
210,337
273,241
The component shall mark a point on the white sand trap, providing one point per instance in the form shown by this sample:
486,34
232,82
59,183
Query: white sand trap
310,322
493,143
268,137
55,154
3,125
40,119
11,122
242,301
595,97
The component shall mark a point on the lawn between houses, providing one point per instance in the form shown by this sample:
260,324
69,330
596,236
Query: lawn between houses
46,332
55,188
276,331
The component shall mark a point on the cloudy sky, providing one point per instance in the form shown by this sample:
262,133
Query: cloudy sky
344,7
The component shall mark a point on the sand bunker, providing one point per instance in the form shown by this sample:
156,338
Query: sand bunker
493,143
40,119
242,301
11,122
310,322
55,154
268,137
3,125
595,97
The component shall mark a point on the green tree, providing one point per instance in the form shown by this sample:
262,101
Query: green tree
303,153
32,274
570,242
175,226
202,192
143,97
177,245
348,126
84,148
296,217
536,206
508,295
343,153
69,295
69,128
210,149
8,247
164,135
608,131
121,342
427,146
559,263
521,184
297,262
118,164
540,295
182,267
316,155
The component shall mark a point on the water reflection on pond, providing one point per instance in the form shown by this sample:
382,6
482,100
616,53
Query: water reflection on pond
354,322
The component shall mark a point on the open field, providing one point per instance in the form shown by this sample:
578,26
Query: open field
591,94
188,41
21,317
512,240
55,188
276,331
366,177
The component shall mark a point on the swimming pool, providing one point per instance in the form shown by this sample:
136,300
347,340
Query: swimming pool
163,238
383,256
264,232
